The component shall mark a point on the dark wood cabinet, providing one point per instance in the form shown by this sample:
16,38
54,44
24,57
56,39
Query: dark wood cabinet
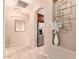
40,18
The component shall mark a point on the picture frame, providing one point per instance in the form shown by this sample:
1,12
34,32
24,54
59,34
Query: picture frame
67,27
19,25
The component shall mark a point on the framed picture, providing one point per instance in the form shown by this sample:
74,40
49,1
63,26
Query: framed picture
67,27
19,25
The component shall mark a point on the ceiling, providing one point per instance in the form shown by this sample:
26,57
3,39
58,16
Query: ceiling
10,5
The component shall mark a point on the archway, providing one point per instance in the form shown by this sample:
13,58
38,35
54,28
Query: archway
39,32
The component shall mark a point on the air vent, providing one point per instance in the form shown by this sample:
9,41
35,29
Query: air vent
22,4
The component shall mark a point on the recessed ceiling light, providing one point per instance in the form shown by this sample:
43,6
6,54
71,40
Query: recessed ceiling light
17,9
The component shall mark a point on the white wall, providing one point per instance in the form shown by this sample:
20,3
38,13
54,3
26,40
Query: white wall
68,39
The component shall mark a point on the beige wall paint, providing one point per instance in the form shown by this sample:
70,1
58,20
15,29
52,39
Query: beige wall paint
13,37
47,12
68,39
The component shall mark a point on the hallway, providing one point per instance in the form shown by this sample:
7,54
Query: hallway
40,29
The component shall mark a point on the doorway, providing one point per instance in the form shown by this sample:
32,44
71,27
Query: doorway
40,30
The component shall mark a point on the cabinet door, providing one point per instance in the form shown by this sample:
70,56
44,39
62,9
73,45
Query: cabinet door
40,36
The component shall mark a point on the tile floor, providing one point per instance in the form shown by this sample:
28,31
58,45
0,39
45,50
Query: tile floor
25,53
